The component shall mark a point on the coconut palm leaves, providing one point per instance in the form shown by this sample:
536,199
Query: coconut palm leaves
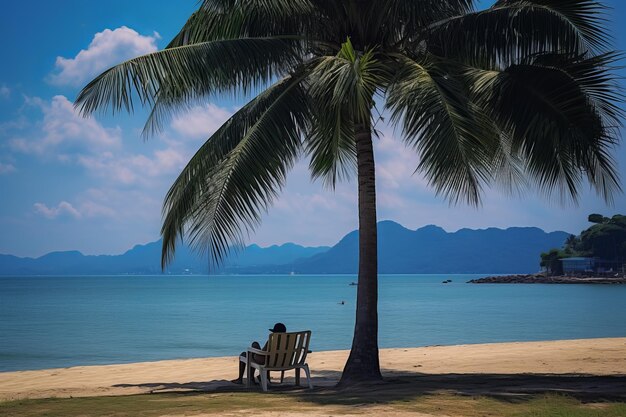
513,29
516,88
549,105
232,19
342,89
183,75
233,178
456,141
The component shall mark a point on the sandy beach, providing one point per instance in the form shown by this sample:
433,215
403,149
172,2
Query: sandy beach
589,357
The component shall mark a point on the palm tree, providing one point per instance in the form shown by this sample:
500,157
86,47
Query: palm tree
520,93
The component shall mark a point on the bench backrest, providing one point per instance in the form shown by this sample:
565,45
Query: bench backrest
287,349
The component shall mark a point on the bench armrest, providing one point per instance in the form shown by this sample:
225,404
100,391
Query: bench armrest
258,351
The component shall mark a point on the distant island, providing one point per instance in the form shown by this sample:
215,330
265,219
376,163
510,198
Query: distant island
596,256
427,250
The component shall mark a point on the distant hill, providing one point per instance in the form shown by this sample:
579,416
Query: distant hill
145,259
431,250
427,250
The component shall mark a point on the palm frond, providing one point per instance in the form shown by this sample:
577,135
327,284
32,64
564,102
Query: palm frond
231,19
513,29
349,80
456,141
596,76
401,20
330,145
236,174
508,169
557,117
342,89
187,73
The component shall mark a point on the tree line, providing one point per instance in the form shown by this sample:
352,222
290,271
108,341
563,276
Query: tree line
605,240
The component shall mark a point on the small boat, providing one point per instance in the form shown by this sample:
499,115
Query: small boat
353,283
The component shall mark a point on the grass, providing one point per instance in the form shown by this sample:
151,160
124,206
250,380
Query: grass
329,402
534,406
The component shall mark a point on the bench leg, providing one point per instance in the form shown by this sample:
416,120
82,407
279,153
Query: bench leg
248,374
308,375
297,376
263,379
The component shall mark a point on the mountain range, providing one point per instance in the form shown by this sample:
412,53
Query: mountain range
427,250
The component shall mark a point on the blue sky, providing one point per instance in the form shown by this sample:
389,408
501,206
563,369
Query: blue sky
94,185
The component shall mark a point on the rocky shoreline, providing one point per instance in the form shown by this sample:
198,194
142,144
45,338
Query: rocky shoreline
542,279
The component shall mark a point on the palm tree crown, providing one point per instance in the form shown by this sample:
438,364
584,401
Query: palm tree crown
522,92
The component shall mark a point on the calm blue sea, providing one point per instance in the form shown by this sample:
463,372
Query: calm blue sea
49,322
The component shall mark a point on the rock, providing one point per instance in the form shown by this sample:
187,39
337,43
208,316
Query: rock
542,279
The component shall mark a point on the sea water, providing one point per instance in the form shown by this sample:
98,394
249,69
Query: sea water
49,322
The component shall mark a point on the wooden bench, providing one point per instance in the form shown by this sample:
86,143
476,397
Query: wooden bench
285,351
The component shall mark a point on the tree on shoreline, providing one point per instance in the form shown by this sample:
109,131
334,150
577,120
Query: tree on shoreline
551,260
606,239
520,92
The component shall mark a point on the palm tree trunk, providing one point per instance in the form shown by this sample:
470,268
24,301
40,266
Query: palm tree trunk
363,364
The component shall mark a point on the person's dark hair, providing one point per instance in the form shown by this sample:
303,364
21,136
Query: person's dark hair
279,328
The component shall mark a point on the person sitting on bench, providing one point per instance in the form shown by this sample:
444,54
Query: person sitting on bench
278,328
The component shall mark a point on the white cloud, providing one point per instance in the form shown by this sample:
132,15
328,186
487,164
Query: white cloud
122,203
73,139
108,48
19,123
62,209
64,126
5,92
169,160
200,121
85,209
6,168
93,209
134,169
396,164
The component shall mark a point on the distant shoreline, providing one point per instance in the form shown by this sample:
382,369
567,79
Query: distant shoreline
542,279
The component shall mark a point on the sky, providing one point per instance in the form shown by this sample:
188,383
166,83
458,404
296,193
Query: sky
94,185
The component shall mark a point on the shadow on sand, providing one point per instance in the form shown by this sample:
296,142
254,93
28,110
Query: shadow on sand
401,386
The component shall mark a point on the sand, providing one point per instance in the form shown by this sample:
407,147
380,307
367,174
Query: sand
599,357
